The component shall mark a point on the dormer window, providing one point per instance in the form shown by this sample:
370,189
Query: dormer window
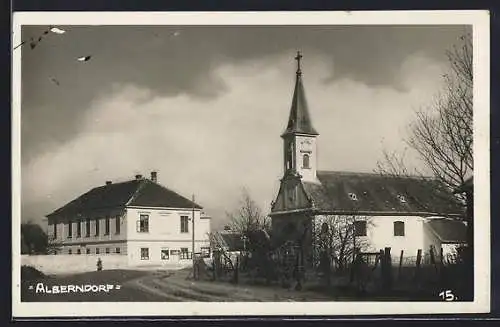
353,197
401,198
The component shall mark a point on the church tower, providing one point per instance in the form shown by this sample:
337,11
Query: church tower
299,138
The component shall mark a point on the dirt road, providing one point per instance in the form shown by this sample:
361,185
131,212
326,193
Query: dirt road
175,287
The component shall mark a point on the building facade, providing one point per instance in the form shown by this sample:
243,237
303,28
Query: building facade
381,210
140,219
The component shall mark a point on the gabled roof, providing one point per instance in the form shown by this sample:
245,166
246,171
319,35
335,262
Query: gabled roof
352,192
299,120
140,193
233,241
448,230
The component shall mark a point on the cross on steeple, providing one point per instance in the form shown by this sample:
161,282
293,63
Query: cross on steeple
298,58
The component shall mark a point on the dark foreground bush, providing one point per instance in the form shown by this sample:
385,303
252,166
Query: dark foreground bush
30,273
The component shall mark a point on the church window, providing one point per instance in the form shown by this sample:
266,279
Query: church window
353,196
399,228
360,228
305,161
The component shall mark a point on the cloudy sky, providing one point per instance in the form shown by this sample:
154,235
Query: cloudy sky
205,106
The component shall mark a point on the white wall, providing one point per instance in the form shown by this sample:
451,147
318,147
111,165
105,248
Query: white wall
102,246
154,249
164,232
380,234
68,264
165,224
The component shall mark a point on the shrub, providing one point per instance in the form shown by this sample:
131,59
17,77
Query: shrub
31,273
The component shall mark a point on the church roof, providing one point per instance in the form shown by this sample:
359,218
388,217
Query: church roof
139,192
349,192
299,120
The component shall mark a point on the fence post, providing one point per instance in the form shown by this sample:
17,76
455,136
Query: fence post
236,269
433,257
419,259
387,269
400,264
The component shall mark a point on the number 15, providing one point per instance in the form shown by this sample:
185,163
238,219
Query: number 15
447,295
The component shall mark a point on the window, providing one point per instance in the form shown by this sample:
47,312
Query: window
106,226
117,250
360,228
88,251
165,254
87,228
399,228
185,253
144,253
401,198
184,224
305,161
107,250
96,250
117,225
143,224
97,227
78,228
69,251
70,229
78,251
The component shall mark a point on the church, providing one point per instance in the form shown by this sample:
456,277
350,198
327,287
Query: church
404,213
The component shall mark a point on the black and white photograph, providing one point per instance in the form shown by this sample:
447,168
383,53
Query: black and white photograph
250,163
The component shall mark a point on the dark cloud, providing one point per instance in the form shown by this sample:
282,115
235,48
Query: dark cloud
177,60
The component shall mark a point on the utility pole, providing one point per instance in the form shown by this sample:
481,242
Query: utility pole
192,242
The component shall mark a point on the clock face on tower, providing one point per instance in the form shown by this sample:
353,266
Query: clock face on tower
306,145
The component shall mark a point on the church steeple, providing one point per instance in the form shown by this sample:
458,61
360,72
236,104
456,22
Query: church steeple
299,120
300,136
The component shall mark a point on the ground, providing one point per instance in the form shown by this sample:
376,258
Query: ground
165,286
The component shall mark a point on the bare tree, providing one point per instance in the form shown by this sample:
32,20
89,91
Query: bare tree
336,235
248,217
441,134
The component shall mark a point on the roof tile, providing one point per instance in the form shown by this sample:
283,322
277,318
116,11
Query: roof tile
381,193
135,192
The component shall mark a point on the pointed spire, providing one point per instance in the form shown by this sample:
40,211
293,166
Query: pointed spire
299,120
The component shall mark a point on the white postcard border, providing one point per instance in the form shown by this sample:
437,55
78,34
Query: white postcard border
479,19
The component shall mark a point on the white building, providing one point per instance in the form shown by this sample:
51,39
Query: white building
400,212
139,218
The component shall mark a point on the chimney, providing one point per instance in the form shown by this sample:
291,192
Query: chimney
137,177
108,182
154,176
